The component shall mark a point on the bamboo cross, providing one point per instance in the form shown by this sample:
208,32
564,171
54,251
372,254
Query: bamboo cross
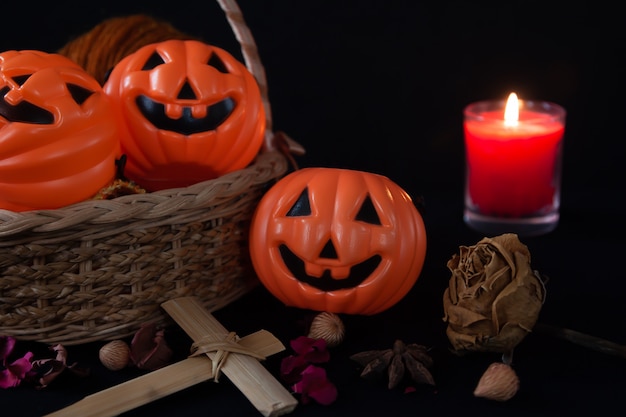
237,358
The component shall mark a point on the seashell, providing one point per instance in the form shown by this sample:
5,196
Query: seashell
327,326
499,383
115,355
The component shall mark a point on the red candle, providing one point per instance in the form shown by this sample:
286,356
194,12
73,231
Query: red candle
513,159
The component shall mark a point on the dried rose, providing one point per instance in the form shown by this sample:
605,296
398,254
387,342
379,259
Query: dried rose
493,298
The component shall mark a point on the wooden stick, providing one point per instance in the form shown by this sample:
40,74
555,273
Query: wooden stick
260,387
141,390
180,375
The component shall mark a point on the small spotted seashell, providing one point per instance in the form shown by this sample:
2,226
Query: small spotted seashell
327,326
115,355
499,383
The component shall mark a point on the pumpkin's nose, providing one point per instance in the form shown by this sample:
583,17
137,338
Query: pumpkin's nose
186,92
328,251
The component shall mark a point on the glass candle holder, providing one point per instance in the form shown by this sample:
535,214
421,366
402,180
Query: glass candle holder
513,153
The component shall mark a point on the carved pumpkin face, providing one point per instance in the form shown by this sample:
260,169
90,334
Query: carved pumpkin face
58,136
337,240
192,110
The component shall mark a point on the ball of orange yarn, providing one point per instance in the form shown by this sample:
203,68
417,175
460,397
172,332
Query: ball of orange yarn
99,49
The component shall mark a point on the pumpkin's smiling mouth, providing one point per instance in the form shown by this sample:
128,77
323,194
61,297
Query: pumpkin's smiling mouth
186,124
358,273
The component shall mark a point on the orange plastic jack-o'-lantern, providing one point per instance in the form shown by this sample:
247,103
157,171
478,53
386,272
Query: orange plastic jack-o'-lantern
337,240
59,141
193,112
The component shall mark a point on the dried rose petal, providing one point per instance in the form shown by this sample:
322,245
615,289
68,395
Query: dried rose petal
315,385
291,368
45,371
149,349
13,374
313,350
7,343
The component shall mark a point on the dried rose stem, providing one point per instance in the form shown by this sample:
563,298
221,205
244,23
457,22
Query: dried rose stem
582,339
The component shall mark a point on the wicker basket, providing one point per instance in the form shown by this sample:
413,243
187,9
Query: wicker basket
99,269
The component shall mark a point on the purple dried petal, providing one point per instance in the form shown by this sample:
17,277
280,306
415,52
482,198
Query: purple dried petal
7,343
291,367
315,385
14,373
313,350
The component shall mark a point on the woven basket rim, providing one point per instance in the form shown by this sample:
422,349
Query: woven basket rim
99,269
151,205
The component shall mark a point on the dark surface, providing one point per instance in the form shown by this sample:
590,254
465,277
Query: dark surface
380,86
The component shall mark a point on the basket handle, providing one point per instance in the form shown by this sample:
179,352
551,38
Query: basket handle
252,60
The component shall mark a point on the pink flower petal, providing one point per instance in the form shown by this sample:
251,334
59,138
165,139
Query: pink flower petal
6,347
8,380
315,385
291,368
313,350
13,374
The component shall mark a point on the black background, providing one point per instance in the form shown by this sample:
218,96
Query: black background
380,86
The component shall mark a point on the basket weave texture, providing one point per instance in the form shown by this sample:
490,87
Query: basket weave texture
100,269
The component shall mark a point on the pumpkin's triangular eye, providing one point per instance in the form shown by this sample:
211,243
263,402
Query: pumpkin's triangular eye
217,63
79,94
21,79
24,111
154,60
367,213
302,206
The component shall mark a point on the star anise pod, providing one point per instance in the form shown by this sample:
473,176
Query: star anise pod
396,362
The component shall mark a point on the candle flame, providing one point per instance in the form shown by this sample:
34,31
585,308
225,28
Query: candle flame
511,111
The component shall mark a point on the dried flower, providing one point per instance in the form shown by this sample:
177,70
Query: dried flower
313,350
494,297
40,372
306,378
115,355
308,351
149,349
315,385
12,374
7,343
44,371
499,383
327,326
